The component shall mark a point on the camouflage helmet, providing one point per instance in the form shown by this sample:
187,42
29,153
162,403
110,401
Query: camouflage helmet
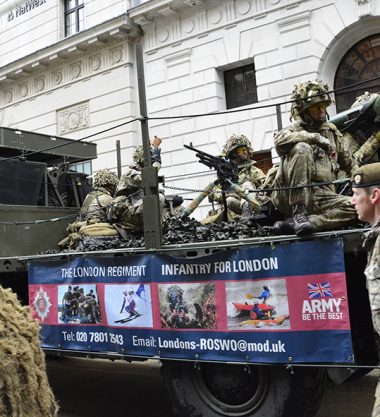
105,178
306,94
138,155
364,98
235,142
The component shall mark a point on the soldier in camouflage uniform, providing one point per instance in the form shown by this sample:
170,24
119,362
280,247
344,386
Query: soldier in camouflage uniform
94,207
92,219
311,150
127,207
366,199
238,149
363,150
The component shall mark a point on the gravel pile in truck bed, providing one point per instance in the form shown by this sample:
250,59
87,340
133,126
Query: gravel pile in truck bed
177,231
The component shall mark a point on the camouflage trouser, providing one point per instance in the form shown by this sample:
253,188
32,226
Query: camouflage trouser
373,286
126,212
327,210
129,212
376,407
297,170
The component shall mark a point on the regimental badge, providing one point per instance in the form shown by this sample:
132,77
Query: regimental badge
42,304
357,179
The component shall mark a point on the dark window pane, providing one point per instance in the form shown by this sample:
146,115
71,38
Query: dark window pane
250,86
361,63
240,86
81,19
74,16
70,4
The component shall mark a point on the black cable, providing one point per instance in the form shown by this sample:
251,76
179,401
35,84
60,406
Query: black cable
269,190
185,116
25,155
189,116
258,190
264,106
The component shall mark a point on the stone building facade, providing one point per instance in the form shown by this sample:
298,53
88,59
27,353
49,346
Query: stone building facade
81,82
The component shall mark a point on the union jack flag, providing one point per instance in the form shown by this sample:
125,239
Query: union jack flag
319,290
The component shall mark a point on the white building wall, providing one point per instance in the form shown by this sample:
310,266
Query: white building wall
25,30
98,11
187,50
90,78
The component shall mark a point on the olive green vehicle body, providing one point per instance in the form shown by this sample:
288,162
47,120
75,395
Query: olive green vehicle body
201,388
39,192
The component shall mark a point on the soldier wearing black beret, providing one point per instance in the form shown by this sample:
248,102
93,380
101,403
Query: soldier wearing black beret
366,199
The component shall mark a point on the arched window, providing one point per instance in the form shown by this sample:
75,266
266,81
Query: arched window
361,63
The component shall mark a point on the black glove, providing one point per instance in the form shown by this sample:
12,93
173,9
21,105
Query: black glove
175,200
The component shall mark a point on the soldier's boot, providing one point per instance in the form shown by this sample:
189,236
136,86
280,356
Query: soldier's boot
285,227
302,225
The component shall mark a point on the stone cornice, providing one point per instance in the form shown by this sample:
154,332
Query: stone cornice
163,28
154,10
71,47
64,73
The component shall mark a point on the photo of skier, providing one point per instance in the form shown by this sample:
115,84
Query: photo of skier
78,304
190,306
128,305
257,304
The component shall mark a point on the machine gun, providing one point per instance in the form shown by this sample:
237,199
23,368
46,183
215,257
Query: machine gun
228,176
226,170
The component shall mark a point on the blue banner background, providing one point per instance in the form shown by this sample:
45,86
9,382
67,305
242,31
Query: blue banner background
294,259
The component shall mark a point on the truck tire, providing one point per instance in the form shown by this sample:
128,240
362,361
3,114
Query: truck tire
215,390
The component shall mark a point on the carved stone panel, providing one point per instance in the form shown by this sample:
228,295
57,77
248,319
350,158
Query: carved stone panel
73,118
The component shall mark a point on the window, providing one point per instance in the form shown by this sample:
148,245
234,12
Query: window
74,16
263,159
240,86
83,167
361,63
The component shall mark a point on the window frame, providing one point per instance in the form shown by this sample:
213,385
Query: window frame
359,64
246,96
73,11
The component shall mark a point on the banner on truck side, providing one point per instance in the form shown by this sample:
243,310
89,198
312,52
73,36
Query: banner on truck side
258,304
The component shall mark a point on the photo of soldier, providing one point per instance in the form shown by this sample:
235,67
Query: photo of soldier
128,305
78,304
257,304
190,306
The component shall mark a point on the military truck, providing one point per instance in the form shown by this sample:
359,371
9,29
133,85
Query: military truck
190,307
40,193
197,308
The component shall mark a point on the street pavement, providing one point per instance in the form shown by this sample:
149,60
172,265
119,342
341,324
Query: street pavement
100,388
